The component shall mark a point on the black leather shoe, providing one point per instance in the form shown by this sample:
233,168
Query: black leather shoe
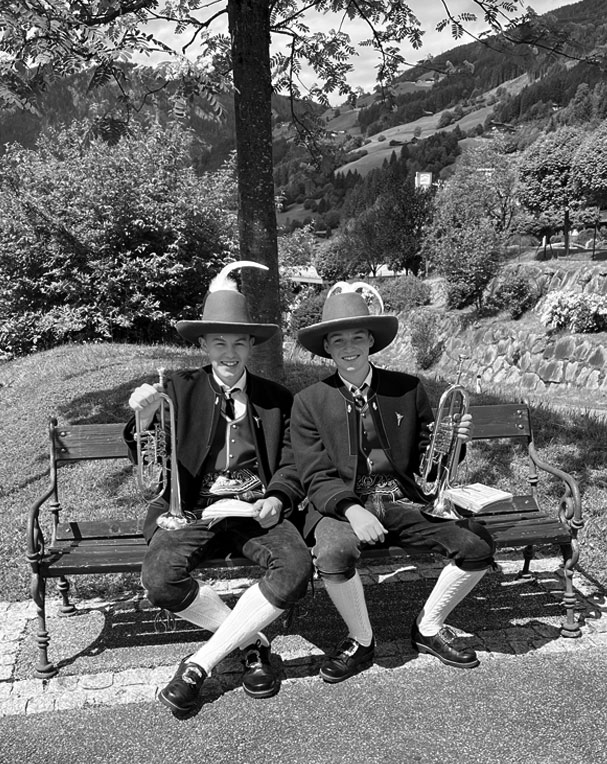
259,679
182,693
443,646
348,659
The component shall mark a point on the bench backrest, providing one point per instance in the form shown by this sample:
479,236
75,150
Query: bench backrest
501,420
75,442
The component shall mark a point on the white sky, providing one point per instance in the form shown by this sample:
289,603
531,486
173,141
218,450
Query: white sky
429,13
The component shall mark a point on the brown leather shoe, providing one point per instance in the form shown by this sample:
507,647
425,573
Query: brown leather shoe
259,679
444,647
182,693
348,659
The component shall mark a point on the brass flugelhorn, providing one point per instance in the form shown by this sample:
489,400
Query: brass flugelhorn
157,461
441,458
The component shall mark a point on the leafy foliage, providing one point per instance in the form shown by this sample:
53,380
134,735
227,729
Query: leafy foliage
424,330
101,241
403,293
576,311
515,295
589,172
337,262
466,242
546,176
308,312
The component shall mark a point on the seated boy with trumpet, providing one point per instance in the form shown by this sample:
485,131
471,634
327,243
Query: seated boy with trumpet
358,438
231,441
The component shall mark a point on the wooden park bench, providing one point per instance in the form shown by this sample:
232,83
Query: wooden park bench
116,545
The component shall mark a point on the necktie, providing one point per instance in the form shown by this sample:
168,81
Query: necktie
359,399
230,411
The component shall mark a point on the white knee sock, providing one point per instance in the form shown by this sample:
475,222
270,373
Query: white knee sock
208,611
452,586
251,613
349,600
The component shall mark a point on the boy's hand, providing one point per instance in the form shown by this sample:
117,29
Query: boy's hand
366,526
145,399
465,428
269,511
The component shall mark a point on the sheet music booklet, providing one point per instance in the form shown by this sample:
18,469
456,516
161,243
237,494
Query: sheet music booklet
476,496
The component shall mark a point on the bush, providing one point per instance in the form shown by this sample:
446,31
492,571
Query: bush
308,312
338,263
404,293
42,330
460,294
102,241
515,296
576,311
424,333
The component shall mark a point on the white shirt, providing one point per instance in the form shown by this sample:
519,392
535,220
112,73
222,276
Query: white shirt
240,401
357,390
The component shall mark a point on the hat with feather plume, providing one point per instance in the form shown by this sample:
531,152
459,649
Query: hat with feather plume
225,310
346,308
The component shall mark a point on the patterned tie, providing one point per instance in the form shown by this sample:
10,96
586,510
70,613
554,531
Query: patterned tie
359,399
230,411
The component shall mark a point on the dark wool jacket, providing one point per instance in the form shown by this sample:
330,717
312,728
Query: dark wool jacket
325,438
198,402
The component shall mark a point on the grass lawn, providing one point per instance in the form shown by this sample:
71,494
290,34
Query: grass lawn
91,384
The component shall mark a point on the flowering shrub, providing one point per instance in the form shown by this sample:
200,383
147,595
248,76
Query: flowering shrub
576,311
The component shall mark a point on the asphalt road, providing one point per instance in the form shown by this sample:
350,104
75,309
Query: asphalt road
538,710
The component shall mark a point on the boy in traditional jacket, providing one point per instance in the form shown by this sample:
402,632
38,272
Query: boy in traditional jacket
358,437
232,436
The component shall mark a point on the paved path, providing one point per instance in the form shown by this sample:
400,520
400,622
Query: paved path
533,687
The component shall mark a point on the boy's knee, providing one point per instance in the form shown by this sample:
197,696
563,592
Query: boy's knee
477,548
165,588
335,560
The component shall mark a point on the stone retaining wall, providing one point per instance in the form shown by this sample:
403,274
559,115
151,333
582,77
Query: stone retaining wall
504,355
501,352
550,276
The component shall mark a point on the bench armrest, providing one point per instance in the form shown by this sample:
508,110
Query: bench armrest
35,537
570,510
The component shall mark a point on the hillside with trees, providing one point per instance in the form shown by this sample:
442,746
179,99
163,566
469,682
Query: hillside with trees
110,202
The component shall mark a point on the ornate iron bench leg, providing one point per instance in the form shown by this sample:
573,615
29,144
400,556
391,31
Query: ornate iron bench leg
528,555
44,669
570,626
67,608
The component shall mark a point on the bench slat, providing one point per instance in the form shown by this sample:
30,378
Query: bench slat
89,441
505,420
90,529
122,557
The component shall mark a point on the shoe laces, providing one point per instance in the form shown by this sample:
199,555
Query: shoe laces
447,634
347,647
192,675
253,655
252,658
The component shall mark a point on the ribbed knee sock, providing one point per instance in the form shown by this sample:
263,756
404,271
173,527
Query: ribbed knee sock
251,613
452,586
208,611
349,600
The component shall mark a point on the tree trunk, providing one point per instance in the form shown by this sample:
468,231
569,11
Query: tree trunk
249,23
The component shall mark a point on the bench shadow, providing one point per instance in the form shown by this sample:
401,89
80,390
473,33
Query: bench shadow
503,615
